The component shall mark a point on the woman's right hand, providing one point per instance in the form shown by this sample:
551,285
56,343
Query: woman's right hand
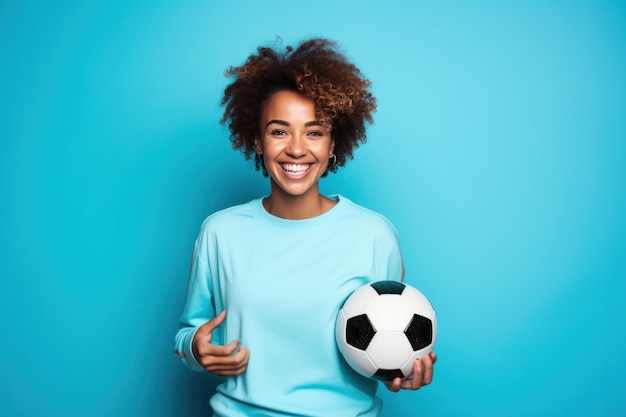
227,360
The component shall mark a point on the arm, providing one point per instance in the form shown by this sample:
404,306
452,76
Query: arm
199,308
195,342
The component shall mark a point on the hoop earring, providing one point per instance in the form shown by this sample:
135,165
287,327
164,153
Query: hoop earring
334,161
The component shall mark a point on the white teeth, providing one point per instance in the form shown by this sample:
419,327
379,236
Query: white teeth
296,168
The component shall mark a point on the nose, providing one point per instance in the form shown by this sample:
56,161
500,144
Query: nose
296,146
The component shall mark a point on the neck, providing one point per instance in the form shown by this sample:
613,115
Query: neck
298,207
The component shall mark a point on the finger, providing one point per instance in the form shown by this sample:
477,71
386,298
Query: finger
240,358
238,361
422,374
205,331
208,349
223,369
396,384
427,370
232,365
212,361
433,356
230,372
415,382
213,323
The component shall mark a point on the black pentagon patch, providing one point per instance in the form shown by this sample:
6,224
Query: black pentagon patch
388,374
359,331
388,287
419,332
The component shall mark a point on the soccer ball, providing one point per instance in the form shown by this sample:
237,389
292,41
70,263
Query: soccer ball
384,327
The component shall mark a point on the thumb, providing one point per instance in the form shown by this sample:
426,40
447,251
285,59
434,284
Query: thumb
210,325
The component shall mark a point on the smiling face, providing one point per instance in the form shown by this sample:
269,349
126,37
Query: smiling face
294,145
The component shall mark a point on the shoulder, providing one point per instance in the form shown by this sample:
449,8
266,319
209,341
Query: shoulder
367,218
231,218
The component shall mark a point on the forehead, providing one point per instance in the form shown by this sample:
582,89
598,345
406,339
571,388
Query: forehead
289,105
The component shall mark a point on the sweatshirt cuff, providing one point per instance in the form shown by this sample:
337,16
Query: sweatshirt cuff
184,348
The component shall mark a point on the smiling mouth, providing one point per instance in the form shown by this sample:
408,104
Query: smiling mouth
296,169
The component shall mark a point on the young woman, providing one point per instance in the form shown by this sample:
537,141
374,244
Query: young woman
269,277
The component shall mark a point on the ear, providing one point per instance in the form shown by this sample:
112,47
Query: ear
257,145
332,147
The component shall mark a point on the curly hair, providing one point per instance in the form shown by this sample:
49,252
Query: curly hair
315,69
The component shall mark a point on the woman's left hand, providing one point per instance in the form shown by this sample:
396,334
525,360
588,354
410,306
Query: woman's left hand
422,375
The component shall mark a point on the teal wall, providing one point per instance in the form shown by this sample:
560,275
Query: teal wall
499,152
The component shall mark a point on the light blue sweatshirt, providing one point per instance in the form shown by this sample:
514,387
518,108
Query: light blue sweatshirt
282,283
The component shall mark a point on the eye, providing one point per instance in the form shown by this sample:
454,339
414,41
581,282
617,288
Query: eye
317,133
277,132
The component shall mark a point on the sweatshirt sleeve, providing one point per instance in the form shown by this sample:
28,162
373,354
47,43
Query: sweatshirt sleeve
388,257
199,306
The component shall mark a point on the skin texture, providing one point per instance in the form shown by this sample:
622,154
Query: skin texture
296,149
227,360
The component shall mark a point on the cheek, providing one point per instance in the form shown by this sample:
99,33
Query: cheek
328,149
269,148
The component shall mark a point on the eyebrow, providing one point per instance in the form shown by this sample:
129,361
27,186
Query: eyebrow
285,123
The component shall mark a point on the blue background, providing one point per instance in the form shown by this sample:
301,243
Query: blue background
498,152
